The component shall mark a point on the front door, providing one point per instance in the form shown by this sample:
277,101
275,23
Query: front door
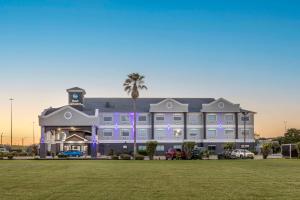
76,147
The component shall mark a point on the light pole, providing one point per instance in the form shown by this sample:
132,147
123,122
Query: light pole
245,118
285,125
33,136
11,121
1,137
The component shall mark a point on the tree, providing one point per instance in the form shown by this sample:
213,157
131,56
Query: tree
132,85
275,147
298,149
291,136
266,150
229,146
151,148
188,148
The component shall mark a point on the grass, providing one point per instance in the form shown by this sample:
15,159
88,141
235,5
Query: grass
236,179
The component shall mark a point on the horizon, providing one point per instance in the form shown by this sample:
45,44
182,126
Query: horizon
245,52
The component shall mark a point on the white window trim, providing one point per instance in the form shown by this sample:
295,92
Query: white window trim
123,130
124,115
229,114
142,116
160,115
215,130
108,130
107,116
229,130
212,115
177,115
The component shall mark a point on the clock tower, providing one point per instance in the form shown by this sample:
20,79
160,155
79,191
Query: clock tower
76,96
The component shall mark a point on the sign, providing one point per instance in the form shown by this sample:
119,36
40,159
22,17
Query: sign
245,118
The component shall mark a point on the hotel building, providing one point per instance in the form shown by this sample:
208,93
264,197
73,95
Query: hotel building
97,125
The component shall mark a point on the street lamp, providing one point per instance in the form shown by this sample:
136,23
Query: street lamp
1,137
11,121
33,136
245,118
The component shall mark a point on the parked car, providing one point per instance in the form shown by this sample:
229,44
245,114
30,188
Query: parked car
227,154
242,153
175,154
70,153
197,151
3,150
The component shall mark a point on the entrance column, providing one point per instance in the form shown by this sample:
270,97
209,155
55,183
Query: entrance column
43,151
94,142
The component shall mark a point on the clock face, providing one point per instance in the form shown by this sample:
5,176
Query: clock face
75,96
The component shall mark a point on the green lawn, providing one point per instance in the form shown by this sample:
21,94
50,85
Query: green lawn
236,179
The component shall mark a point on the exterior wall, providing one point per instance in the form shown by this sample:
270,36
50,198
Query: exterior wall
111,128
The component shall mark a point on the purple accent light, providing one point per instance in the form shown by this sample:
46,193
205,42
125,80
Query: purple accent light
220,122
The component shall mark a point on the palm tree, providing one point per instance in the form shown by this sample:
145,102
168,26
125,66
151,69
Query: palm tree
132,85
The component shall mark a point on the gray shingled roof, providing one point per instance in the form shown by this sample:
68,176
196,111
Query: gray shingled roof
125,104
143,104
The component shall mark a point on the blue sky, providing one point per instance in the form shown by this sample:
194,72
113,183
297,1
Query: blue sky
245,51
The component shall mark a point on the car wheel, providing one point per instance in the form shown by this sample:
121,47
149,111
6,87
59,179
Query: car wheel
241,157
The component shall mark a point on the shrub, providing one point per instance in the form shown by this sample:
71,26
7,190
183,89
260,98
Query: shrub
142,152
10,156
22,154
61,156
276,147
298,148
188,148
125,156
205,154
115,157
178,155
139,157
1,156
151,148
266,150
111,152
229,146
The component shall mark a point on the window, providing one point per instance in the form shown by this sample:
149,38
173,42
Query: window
194,132
211,133
212,117
125,132
107,118
229,117
124,118
107,132
229,132
177,117
160,148
160,117
142,132
178,146
142,148
211,149
160,133
142,118
247,132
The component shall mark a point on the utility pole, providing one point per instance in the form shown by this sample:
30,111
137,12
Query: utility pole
285,126
245,118
1,137
11,121
33,136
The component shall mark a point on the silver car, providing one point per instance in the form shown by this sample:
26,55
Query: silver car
242,153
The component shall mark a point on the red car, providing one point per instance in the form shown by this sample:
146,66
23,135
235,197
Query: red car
175,154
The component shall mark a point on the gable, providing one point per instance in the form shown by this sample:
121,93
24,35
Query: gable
169,105
75,137
68,116
221,105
